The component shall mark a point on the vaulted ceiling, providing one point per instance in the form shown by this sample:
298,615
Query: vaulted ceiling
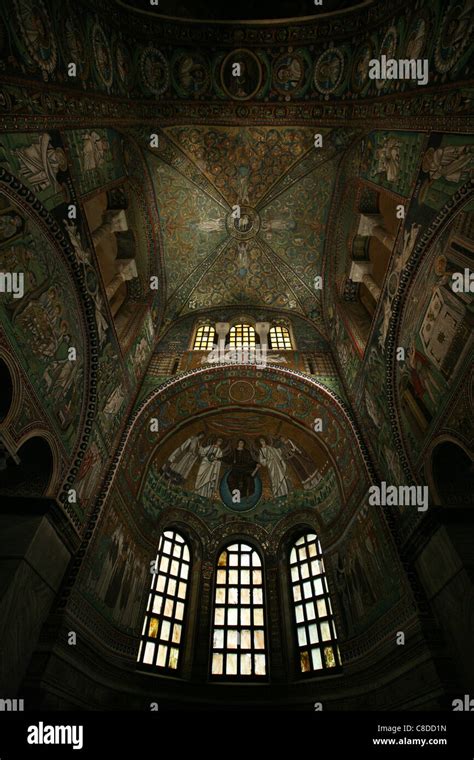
283,187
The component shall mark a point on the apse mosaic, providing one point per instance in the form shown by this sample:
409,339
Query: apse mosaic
242,458
203,393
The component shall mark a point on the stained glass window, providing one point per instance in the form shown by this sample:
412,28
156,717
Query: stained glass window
280,338
162,633
238,637
241,336
204,339
315,627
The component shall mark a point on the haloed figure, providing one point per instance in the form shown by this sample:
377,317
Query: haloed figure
272,459
208,473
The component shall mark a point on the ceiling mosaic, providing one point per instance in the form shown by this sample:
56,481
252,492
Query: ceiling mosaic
267,250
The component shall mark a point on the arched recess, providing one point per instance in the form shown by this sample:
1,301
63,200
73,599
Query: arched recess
31,470
421,386
176,401
286,395
9,389
450,473
62,284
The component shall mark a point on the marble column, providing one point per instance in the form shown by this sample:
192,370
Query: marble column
222,330
112,221
126,270
373,225
262,329
372,286
361,271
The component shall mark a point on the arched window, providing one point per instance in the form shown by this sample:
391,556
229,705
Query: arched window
315,628
241,336
238,641
162,633
204,339
280,338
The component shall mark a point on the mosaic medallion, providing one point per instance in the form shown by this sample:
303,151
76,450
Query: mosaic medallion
241,74
245,226
454,36
329,71
242,391
190,74
154,70
36,30
289,73
102,55
73,44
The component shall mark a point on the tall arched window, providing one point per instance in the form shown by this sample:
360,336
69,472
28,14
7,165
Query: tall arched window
241,336
238,641
280,338
315,627
204,339
162,633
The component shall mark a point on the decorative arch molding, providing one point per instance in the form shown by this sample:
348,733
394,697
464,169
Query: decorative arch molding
342,424
45,435
243,372
291,527
188,525
20,195
240,531
17,387
422,249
